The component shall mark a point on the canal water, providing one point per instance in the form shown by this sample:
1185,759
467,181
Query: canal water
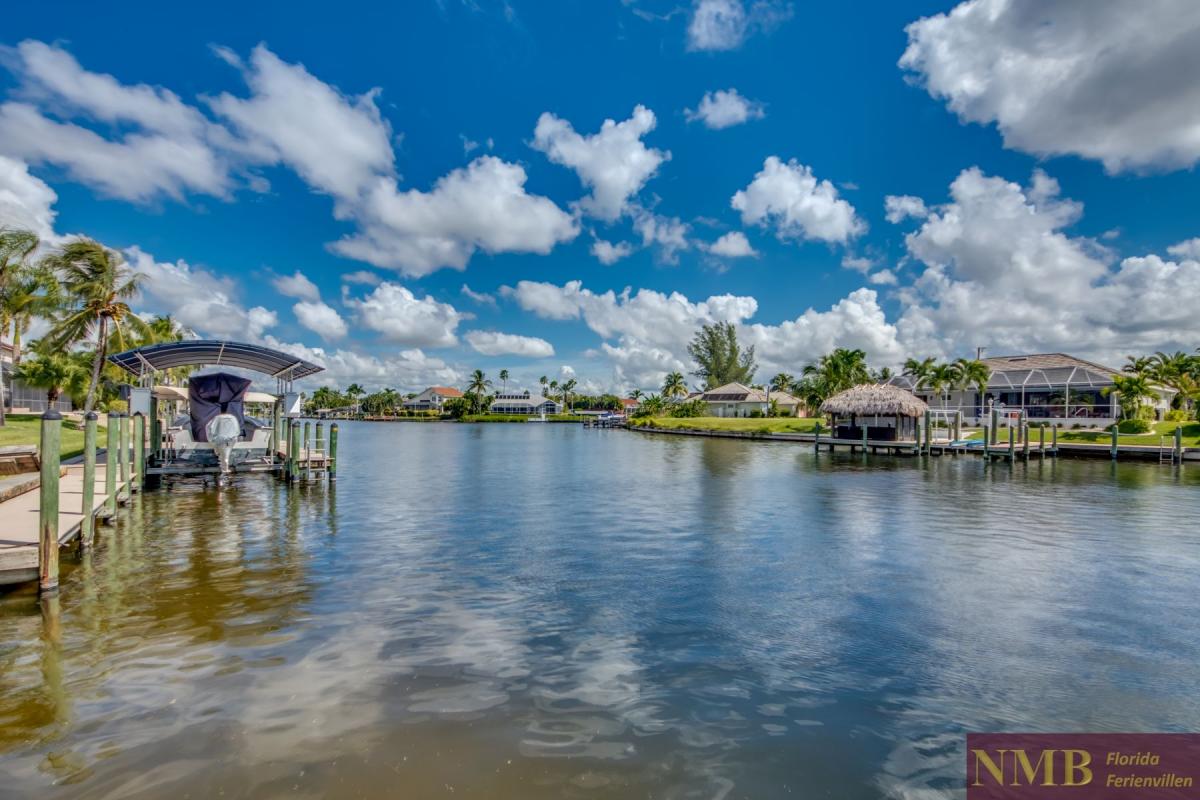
543,611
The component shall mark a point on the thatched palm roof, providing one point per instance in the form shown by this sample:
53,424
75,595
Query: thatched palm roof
869,399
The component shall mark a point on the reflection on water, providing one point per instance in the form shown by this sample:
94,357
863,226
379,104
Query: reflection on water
544,611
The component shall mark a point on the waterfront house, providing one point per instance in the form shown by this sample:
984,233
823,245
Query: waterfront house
1048,387
889,413
629,405
523,403
432,399
739,400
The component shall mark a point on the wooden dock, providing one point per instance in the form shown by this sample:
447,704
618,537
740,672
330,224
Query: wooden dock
19,520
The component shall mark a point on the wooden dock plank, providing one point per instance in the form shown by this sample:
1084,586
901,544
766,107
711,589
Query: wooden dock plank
19,523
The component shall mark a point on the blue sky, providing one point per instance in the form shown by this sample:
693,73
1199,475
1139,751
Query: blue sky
1040,163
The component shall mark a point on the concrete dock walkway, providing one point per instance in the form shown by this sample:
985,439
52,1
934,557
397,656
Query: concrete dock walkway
19,521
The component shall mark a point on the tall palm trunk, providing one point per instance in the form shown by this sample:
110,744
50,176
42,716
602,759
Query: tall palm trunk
97,363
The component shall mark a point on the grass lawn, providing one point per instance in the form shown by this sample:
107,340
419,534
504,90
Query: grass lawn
741,424
1191,435
26,429
519,418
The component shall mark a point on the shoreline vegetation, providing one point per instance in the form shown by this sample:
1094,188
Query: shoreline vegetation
25,429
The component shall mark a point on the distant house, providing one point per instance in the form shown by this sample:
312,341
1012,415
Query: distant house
523,403
739,400
18,396
1048,387
432,399
629,405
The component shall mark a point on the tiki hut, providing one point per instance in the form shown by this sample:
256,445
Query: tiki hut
888,412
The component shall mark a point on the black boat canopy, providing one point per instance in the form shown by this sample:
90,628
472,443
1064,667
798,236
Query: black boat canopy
200,352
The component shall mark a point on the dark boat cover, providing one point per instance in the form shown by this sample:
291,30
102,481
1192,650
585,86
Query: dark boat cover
213,394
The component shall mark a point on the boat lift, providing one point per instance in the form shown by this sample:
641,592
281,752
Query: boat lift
215,436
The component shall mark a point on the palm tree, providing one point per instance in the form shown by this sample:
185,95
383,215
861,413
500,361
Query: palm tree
941,378
1130,389
838,371
973,372
567,388
674,386
478,387
919,371
52,370
504,379
26,292
543,381
553,389
1175,371
636,395
782,382
16,246
96,283
1138,365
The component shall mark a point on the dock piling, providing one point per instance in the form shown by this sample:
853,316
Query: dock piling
1042,441
928,431
1179,445
987,447
123,453
1115,433
995,423
139,449
1012,446
333,431
307,450
1054,438
817,438
48,503
88,520
294,452
1025,440
110,466
864,439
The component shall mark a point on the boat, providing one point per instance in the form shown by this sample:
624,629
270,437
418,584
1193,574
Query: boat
215,430
540,418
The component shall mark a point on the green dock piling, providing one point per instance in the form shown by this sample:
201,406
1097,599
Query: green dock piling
928,431
139,450
1054,439
110,466
333,431
987,446
1042,440
48,503
277,440
864,439
1179,444
1115,433
123,453
1012,445
817,438
307,449
995,423
88,520
1025,440
294,452
319,446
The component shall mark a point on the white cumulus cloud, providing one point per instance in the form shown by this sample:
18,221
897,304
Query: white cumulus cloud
320,318
296,285
401,317
494,343
733,245
1100,80
799,205
725,108
608,253
898,208
726,24
613,163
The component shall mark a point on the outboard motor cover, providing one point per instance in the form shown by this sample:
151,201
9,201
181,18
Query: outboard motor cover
223,431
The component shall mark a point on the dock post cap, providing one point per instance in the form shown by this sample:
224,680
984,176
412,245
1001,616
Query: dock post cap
91,416
50,413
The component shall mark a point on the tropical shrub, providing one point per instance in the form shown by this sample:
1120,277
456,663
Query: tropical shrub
755,414
1135,426
692,408
1176,415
